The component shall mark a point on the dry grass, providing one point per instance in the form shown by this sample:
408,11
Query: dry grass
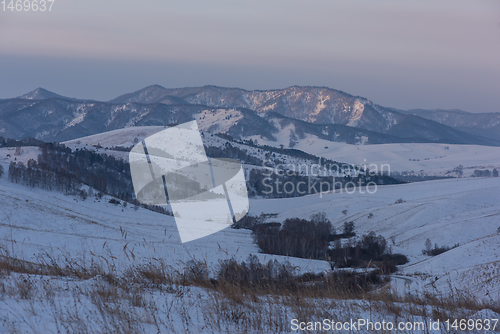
93,297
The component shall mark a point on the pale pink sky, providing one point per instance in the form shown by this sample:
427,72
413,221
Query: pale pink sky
404,54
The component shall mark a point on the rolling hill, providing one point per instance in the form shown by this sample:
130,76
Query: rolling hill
463,211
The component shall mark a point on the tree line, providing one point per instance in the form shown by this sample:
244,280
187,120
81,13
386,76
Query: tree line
7,142
316,238
33,176
61,169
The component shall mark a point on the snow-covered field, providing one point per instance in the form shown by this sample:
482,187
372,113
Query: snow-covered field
35,222
71,306
431,159
464,211
8,154
102,143
42,221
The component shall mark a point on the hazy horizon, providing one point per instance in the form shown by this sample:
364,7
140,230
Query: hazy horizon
404,55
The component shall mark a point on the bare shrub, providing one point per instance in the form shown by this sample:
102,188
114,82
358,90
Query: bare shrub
437,250
25,287
195,272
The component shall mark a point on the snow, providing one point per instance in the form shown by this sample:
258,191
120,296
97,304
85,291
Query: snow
34,222
41,221
321,105
8,155
122,137
78,119
69,306
433,159
358,109
125,137
218,120
464,211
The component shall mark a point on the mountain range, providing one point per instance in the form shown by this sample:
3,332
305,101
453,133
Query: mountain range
294,112
481,124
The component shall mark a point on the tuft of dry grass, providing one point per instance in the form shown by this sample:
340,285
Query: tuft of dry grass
238,297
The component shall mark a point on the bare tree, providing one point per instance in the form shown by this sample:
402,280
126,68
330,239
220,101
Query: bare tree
428,245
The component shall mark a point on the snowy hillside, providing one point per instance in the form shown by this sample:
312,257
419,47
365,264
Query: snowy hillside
464,211
130,136
121,137
41,221
432,159
49,227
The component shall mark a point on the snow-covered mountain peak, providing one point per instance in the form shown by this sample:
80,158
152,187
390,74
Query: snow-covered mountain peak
40,94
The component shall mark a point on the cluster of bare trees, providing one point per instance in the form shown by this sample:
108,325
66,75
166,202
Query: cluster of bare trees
485,173
296,237
7,142
252,277
60,169
368,251
230,151
102,172
252,272
347,254
433,251
317,239
33,176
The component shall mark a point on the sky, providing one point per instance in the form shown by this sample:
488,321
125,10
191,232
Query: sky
403,54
